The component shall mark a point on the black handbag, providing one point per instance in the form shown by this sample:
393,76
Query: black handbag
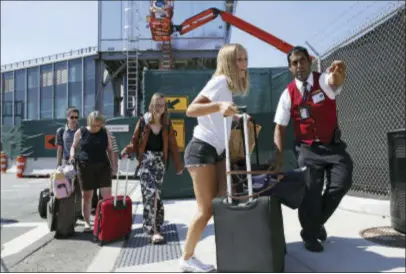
290,190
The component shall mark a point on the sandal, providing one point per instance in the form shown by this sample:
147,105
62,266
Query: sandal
87,228
157,239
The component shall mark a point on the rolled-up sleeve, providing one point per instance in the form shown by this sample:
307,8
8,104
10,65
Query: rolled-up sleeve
282,115
330,92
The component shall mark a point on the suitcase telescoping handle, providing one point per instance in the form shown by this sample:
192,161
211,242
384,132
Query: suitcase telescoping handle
243,110
126,183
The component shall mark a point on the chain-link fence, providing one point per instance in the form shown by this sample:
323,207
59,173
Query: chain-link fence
373,98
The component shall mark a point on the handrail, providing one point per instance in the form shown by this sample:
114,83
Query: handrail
50,59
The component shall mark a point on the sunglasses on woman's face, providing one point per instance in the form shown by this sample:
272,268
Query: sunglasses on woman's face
158,106
74,117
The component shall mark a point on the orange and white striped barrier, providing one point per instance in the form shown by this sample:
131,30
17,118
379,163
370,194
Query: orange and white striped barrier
20,166
3,162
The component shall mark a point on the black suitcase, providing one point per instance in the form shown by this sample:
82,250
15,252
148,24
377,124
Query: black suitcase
44,197
249,235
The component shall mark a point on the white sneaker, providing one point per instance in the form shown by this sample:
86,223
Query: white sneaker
194,265
87,227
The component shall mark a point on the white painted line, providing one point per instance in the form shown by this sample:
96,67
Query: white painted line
22,224
23,241
37,181
104,260
20,187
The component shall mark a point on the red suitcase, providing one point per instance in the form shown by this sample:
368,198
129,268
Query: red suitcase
114,217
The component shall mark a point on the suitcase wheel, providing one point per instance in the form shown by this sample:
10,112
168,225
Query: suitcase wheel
101,243
127,236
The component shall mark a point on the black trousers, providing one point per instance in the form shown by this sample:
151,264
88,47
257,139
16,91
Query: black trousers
320,160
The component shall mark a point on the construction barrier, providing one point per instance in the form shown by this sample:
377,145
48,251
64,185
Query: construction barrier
20,166
3,162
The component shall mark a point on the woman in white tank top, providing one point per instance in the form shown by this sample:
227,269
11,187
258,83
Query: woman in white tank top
204,154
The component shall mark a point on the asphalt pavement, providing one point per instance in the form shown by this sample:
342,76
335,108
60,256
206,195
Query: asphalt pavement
27,243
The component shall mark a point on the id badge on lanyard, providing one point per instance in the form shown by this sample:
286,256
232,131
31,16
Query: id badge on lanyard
304,107
304,112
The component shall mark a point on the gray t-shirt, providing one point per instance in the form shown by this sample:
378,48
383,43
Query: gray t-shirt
64,138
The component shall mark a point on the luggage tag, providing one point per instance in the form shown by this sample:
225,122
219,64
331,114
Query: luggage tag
318,97
304,113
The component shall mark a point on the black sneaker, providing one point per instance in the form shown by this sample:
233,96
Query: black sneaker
313,245
322,234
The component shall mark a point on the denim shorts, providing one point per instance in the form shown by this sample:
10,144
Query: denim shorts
200,153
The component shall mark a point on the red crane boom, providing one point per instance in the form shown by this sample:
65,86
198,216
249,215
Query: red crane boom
212,13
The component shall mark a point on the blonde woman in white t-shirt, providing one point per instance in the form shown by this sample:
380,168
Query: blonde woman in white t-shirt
205,153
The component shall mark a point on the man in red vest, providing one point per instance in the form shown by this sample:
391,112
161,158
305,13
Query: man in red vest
309,100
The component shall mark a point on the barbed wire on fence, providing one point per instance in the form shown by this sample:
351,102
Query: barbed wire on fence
373,20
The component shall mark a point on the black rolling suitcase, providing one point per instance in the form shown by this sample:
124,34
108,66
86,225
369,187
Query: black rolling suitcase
249,234
44,197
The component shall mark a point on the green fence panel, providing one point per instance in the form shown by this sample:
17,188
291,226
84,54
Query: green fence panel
11,141
38,137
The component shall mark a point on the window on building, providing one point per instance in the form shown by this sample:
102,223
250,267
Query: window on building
75,84
19,103
46,79
75,70
90,86
8,85
33,78
46,92
61,99
33,94
8,99
7,109
61,76
8,82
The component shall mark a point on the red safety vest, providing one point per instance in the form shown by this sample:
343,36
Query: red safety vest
323,115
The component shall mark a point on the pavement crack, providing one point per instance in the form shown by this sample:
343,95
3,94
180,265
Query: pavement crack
32,252
300,261
3,265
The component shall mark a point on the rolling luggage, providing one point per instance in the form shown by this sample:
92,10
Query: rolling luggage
249,235
113,219
61,213
44,197
61,216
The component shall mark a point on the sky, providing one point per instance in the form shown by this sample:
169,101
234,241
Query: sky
31,29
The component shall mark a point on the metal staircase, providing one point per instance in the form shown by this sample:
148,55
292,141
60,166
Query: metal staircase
131,49
166,57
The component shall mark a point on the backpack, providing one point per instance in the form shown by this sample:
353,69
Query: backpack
61,186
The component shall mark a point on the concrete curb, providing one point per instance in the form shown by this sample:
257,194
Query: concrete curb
366,206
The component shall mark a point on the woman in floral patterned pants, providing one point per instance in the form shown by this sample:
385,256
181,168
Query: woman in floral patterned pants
152,141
